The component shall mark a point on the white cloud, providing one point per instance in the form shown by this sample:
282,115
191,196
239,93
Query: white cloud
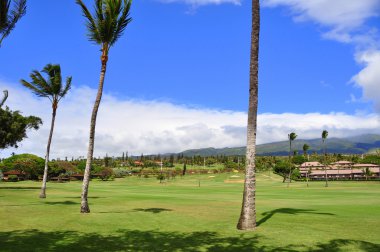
345,21
203,2
341,16
369,78
160,127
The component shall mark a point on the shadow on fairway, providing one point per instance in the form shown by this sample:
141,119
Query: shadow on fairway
79,197
152,210
152,240
19,188
294,211
67,202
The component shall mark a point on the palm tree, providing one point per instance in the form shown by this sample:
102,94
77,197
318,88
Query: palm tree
247,220
325,134
305,148
292,136
9,17
367,173
104,27
53,89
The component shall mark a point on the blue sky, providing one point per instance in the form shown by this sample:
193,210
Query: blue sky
194,54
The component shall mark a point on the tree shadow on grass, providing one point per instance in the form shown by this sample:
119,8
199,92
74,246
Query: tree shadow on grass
66,202
153,240
19,188
294,211
154,210
89,197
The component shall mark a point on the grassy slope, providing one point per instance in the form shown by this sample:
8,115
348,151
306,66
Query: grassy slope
142,215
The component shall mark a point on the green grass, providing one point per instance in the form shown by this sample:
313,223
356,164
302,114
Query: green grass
137,214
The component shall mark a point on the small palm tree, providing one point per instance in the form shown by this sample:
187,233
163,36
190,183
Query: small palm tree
247,220
325,134
292,136
9,17
105,27
53,89
305,148
367,173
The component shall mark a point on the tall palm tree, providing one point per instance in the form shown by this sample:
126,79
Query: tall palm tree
104,27
9,17
292,136
325,134
53,89
247,220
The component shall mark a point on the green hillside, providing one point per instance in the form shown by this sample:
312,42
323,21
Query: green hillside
351,145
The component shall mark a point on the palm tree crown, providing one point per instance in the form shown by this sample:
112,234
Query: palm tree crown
9,17
108,23
325,134
292,136
51,87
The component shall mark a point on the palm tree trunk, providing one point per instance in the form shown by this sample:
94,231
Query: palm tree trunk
86,178
290,163
326,185
247,220
44,180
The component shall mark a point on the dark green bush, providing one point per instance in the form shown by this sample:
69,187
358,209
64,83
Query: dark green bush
12,178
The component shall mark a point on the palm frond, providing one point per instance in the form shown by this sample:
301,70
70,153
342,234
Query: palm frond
12,18
92,28
67,87
123,21
52,86
109,21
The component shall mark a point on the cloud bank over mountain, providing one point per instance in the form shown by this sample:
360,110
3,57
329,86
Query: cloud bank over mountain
139,126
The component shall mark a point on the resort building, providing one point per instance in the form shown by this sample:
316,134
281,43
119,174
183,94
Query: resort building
342,170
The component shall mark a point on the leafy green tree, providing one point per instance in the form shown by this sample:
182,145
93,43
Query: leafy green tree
53,89
299,159
10,16
325,134
282,168
247,220
13,127
104,27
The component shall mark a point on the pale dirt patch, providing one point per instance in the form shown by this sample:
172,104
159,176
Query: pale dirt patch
229,181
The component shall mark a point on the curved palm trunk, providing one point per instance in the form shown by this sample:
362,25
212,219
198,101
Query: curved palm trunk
247,220
44,180
86,179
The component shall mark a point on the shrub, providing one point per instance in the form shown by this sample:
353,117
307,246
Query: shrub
12,178
31,165
160,177
106,174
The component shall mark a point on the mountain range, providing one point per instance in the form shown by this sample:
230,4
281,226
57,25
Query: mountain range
349,145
